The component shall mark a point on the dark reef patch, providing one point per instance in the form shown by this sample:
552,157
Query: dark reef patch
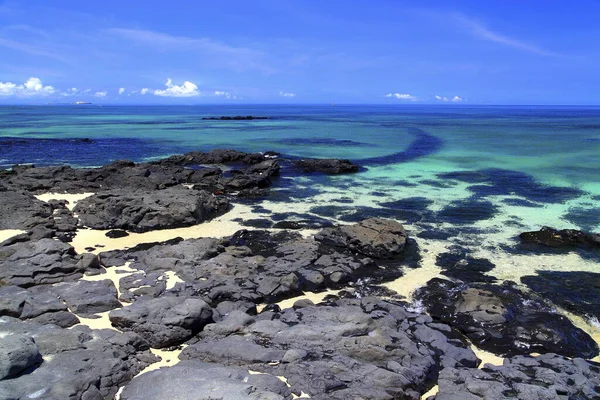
320,141
575,291
503,182
467,212
458,264
587,219
424,144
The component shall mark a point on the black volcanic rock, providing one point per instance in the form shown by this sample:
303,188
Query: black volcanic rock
374,237
346,349
503,320
163,321
88,297
22,211
566,238
259,266
42,262
547,376
216,156
326,165
205,381
144,211
78,363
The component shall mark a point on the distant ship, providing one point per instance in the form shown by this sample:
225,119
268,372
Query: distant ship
82,102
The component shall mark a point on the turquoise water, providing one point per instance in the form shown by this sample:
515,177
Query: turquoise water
529,165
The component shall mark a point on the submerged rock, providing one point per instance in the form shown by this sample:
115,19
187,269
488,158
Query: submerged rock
327,166
503,320
566,238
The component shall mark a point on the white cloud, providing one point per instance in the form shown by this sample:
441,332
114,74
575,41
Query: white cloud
121,90
227,95
187,89
402,96
478,30
441,98
285,94
457,99
32,87
100,94
144,90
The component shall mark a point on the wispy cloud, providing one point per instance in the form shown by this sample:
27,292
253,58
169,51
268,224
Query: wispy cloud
100,94
187,89
121,91
455,99
401,96
236,57
32,87
287,94
30,49
480,31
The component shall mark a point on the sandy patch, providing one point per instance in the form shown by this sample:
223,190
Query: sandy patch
102,322
71,199
8,233
114,274
168,358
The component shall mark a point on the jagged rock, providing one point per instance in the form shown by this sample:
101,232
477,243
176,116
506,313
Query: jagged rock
346,349
41,262
373,237
17,353
163,321
88,297
194,380
253,266
547,376
504,320
22,211
568,238
79,363
216,156
327,166
143,211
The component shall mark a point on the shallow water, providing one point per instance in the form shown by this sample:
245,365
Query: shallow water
472,177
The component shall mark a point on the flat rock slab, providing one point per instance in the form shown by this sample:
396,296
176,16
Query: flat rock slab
194,380
42,262
504,320
88,297
77,363
346,349
163,321
142,211
37,303
548,376
21,210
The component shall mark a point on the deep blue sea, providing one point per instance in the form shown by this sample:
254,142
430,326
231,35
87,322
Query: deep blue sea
463,176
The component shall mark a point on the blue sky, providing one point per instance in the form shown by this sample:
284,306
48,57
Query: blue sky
275,51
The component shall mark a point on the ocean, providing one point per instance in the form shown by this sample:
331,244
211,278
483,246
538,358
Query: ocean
458,177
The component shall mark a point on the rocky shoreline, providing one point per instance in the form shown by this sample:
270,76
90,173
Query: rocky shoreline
215,299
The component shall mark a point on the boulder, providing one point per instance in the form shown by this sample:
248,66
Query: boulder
373,237
163,321
566,238
86,298
17,353
23,211
37,303
78,363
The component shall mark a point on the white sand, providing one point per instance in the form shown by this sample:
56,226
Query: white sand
71,199
102,322
8,233
168,358
114,274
